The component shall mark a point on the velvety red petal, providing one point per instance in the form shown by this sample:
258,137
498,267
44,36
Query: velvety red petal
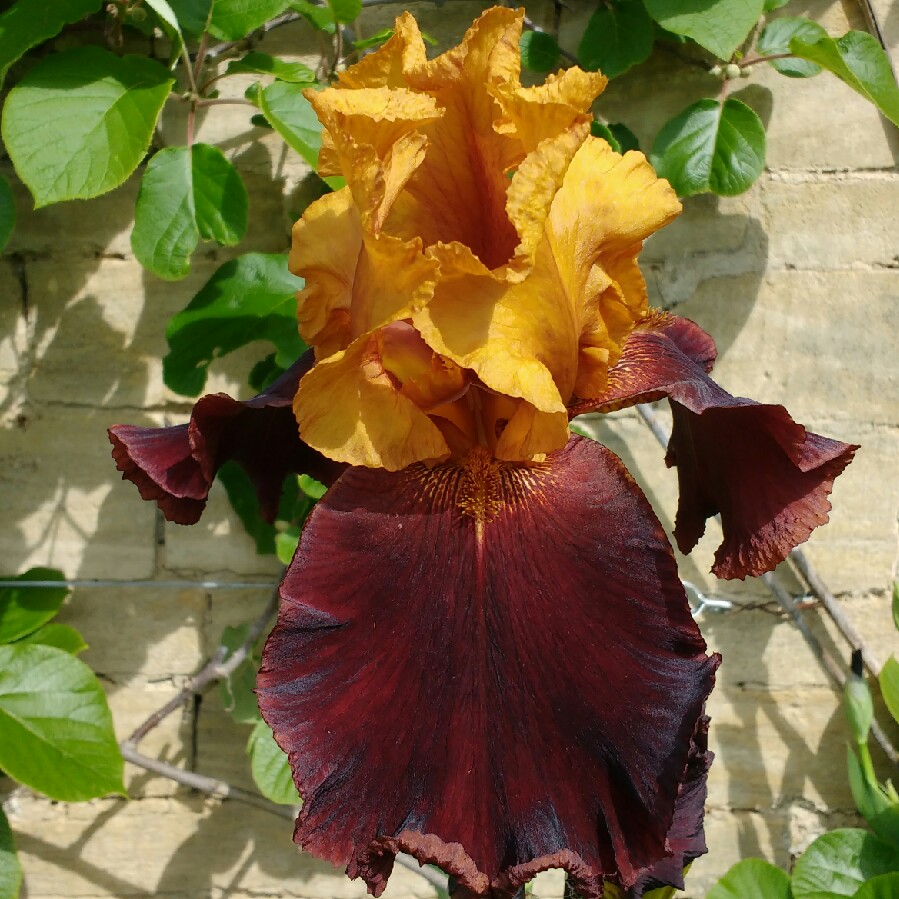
491,667
176,466
765,474
686,837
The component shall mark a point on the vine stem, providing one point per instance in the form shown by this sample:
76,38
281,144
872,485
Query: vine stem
788,604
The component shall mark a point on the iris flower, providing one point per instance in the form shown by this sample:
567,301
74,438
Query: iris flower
484,656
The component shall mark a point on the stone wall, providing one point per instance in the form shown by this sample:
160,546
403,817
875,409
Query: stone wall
797,280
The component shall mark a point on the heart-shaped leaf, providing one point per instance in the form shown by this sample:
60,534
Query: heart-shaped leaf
776,37
858,59
186,193
617,37
55,728
270,768
718,25
79,122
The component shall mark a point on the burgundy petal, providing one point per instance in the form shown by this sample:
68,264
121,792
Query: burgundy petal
176,466
491,667
686,837
765,474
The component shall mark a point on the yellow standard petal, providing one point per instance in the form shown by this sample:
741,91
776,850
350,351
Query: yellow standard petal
387,66
355,281
351,409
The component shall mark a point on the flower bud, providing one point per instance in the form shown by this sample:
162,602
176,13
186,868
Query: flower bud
716,71
857,700
732,70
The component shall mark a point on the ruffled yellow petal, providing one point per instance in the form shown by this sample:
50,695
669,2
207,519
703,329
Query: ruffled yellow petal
350,409
532,114
355,281
386,67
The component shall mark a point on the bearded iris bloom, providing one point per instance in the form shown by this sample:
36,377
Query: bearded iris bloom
484,656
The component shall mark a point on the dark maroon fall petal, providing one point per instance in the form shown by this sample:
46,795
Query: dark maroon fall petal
490,667
176,466
765,474
686,836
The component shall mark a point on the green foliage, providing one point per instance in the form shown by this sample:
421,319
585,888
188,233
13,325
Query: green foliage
858,59
193,15
539,51
858,705
292,116
10,869
345,11
249,298
720,26
233,20
55,728
256,63
378,38
236,691
186,193
839,862
319,17
711,147
752,879
7,212
617,37
23,610
268,763
884,887
776,37
61,636
79,122
28,23
889,686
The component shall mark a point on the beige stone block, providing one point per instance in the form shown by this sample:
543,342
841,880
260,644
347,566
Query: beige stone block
15,342
60,504
181,847
834,223
137,634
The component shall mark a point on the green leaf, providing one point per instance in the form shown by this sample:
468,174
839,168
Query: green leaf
319,17
771,5
752,879
378,38
539,51
262,64
718,25
776,39
237,691
616,38
186,193
270,768
292,116
315,490
895,608
711,148
233,20
872,802
168,17
345,11
858,59
286,544
10,869
24,609
249,298
600,129
62,636
889,686
55,728
884,887
193,15
31,22
625,137
837,863
7,212
79,122
857,703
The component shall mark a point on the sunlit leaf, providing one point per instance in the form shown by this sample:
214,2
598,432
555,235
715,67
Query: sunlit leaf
752,879
345,10
889,686
28,23
320,17
193,15
186,193
718,25
255,63
270,768
776,37
858,59
55,728
61,636
292,116
233,20
10,869
169,20
539,51
617,37
710,147
249,298
884,887
79,122
24,609
236,690
839,862
286,544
